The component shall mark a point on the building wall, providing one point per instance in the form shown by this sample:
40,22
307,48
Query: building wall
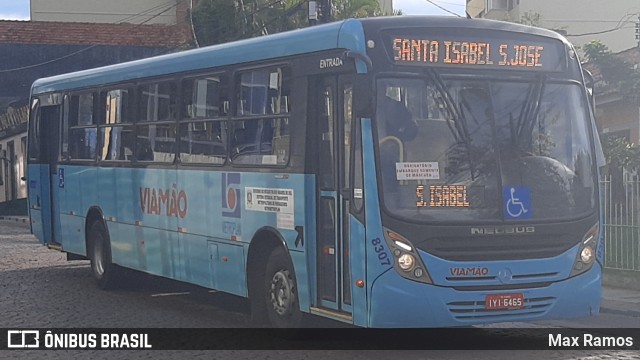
16,85
476,8
12,167
575,17
106,11
619,117
386,6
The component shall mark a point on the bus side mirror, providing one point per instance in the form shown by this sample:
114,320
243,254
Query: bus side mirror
363,96
589,83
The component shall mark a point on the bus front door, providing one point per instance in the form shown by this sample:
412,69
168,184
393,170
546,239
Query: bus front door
333,268
44,138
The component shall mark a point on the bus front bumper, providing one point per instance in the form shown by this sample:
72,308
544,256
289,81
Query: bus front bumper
398,302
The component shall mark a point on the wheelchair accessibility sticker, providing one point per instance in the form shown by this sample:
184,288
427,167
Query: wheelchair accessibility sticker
517,202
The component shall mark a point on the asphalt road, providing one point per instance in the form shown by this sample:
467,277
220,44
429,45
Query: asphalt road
40,289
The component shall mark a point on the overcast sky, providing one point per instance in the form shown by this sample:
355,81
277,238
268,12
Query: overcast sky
19,9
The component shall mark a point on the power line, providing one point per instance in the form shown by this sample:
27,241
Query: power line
174,4
442,8
600,32
455,4
621,23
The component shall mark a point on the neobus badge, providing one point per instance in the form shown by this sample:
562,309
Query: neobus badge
503,230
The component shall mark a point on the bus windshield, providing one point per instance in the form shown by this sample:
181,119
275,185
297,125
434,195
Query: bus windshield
470,149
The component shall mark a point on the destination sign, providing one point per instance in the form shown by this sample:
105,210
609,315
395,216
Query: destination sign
442,196
514,53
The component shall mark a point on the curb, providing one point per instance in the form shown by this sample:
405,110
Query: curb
630,313
623,279
23,220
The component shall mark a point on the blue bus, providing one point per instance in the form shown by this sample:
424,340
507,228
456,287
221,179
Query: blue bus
383,172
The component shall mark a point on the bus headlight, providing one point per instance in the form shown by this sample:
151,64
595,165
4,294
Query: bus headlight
587,253
407,262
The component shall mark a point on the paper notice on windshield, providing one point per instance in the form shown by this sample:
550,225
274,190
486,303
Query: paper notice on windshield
417,171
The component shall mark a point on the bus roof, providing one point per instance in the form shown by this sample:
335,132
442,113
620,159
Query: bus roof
346,34
422,21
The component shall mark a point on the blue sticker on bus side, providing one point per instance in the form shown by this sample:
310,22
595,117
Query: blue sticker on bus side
231,195
517,202
61,178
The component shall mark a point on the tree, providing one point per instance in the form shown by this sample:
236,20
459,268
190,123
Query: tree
531,18
217,21
620,153
615,72
345,9
220,21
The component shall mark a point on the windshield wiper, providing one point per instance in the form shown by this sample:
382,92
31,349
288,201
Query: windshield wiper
459,128
454,115
530,112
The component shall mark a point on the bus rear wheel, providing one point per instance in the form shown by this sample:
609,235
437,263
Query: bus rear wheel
281,291
104,271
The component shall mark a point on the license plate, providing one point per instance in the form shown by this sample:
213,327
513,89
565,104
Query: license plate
504,301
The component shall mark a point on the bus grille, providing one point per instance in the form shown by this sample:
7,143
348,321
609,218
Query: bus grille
475,310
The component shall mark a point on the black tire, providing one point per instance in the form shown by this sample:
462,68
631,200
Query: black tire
281,291
104,271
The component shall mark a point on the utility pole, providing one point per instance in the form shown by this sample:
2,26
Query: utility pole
638,30
325,11
313,12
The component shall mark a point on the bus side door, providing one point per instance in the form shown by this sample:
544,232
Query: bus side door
333,133
44,140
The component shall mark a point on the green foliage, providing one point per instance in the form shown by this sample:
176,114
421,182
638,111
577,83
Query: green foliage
620,153
531,18
220,21
615,75
345,9
596,51
216,21
615,72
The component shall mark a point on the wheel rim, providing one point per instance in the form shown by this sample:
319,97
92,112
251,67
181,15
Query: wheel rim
98,258
281,292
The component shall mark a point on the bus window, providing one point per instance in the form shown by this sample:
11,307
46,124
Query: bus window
156,130
34,131
261,130
82,127
157,102
203,128
117,133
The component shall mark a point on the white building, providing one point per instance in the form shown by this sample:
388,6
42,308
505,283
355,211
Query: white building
581,21
109,11
13,143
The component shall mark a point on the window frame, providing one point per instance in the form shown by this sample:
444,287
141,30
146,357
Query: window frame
100,112
226,78
67,127
286,70
174,108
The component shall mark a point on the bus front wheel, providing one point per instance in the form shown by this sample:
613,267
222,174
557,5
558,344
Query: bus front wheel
281,290
104,271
